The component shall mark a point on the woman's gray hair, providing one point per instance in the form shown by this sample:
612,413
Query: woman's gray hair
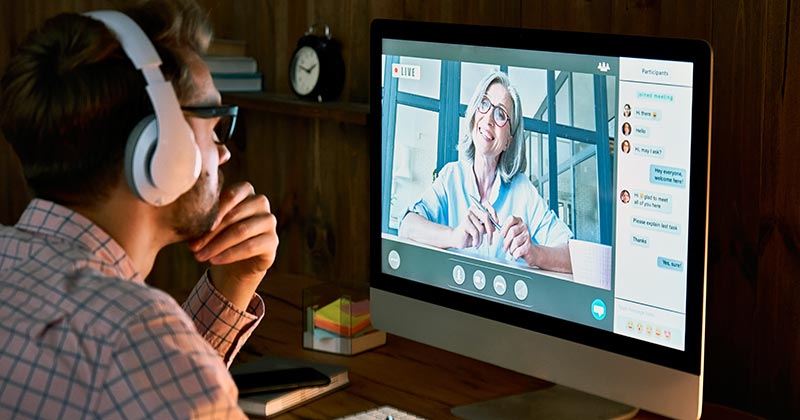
513,160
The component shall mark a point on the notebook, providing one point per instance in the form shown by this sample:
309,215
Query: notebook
270,404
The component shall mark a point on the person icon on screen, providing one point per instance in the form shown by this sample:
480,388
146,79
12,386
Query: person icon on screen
626,146
626,112
625,196
626,129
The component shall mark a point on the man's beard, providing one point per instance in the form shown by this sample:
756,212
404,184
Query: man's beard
191,218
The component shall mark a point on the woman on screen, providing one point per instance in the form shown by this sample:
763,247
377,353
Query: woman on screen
484,202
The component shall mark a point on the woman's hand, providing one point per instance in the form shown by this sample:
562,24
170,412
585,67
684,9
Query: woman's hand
475,224
517,240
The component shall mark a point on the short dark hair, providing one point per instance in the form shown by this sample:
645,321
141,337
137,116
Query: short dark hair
70,96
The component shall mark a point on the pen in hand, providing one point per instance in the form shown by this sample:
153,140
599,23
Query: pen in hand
483,209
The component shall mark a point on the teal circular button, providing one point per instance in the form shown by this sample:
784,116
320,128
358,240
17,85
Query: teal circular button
598,309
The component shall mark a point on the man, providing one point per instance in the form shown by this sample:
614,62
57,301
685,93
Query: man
81,335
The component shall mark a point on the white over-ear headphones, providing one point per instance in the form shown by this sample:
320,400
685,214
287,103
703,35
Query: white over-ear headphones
162,160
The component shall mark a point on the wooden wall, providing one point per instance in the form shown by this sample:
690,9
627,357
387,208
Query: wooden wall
316,172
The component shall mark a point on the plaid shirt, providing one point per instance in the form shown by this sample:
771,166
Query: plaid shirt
82,335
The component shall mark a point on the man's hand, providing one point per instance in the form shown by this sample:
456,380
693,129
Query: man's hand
241,245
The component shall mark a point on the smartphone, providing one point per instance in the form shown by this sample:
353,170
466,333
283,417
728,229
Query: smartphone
279,380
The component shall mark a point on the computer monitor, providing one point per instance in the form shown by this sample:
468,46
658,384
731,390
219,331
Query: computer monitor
585,157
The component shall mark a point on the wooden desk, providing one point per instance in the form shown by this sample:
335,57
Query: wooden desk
423,380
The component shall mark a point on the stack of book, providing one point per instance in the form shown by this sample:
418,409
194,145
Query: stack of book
231,69
272,403
342,326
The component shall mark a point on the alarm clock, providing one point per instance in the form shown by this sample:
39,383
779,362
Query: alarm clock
316,71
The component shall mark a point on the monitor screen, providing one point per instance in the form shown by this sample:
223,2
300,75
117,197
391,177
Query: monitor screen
549,181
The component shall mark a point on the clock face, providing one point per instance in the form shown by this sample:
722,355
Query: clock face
305,70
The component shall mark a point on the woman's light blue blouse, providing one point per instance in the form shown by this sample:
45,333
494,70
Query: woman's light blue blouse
447,201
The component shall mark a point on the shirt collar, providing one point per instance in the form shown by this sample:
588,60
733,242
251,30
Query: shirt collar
469,168
47,218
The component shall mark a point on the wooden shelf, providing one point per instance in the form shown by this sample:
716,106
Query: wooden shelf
346,112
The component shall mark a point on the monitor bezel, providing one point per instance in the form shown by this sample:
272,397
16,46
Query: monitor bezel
697,52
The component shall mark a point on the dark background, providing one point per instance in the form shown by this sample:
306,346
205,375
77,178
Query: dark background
315,170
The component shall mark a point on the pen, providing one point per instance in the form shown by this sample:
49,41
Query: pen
480,206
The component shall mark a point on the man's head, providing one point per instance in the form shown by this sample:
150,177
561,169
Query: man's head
71,96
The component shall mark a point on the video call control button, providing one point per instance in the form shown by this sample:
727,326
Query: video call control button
458,275
479,279
598,309
394,259
521,290
499,285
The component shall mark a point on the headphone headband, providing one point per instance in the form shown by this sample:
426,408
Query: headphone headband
162,162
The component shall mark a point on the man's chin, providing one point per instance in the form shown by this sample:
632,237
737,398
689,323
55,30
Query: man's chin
199,226
190,223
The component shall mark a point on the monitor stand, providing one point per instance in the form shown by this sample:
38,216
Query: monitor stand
556,402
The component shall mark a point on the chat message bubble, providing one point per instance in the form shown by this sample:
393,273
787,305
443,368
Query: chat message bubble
664,175
640,240
655,96
647,200
656,225
647,114
670,264
648,151
641,131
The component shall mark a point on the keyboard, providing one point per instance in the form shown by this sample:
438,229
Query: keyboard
382,413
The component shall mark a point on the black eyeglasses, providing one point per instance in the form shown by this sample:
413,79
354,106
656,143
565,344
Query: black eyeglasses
500,115
226,114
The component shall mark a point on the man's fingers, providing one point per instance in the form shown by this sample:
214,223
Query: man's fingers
251,204
240,232
253,247
248,207
232,196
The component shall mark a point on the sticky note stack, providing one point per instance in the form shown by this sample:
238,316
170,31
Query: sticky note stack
343,326
343,317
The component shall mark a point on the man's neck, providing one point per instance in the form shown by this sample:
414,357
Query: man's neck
134,225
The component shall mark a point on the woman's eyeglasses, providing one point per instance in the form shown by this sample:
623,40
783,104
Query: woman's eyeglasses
500,115
225,113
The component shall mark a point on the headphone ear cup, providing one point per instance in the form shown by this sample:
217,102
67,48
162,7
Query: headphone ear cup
158,172
138,158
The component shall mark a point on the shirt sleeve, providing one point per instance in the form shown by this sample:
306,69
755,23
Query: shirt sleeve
161,368
550,231
433,204
223,325
546,228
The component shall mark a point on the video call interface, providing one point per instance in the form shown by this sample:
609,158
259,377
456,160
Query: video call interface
601,179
